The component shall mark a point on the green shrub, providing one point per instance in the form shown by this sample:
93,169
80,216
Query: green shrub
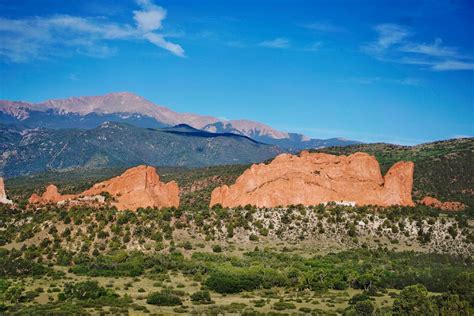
234,280
118,263
279,306
263,231
253,237
86,290
414,300
449,304
201,297
359,298
364,308
163,298
260,303
463,285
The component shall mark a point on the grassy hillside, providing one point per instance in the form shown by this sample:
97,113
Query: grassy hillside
443,169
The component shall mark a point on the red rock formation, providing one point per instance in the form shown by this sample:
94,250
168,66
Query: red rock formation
51,195
3,195
446,206
137,187
311,179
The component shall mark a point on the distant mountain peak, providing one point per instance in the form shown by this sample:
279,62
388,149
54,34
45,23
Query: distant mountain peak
251,128
184,126
113,144
127,107
123,94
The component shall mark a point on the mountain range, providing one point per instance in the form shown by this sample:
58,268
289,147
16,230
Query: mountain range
89,112
28,151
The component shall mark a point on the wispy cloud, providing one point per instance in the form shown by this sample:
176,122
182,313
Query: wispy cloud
408,81
73,77
151,16
394,44
453,65
435,49
388,35
160,41
277,43
280,42
315,46
324,27
24,40
236,44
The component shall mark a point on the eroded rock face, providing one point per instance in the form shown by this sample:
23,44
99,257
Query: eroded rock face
136,187
311,179
3,195
50,195
446,206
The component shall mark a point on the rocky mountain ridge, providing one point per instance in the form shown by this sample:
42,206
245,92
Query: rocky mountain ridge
28,151
125,107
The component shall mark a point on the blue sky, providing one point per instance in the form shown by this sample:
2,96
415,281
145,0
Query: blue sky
393,71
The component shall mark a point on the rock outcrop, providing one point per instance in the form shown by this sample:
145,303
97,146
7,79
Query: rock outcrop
445,206
3,195
50,195
314,178
136,187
